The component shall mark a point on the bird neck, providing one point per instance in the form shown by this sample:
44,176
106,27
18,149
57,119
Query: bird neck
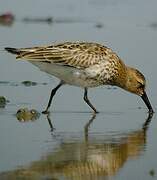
129,81
125,79
121,79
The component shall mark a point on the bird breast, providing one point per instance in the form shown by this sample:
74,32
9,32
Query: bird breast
105,72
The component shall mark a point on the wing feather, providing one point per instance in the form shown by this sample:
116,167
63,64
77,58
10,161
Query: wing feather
79,55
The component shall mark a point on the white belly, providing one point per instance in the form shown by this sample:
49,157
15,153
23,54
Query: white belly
69,75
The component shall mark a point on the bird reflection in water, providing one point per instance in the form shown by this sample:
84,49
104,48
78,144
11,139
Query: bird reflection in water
87,159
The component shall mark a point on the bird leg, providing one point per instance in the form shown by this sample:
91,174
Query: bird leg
87,100
53,92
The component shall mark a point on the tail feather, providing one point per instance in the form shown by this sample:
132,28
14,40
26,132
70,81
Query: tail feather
13,50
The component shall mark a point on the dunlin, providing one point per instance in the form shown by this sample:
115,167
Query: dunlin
85,65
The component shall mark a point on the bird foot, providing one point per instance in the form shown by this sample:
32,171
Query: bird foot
45,112
95,112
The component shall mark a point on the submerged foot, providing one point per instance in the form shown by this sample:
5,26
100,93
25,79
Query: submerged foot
95,112
45,112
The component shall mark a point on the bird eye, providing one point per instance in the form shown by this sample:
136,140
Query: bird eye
141,86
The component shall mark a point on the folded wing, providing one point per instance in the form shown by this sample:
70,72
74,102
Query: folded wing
79,55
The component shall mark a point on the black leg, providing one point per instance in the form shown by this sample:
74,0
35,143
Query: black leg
53,92
87,100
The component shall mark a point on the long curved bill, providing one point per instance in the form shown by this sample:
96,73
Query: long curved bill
147,102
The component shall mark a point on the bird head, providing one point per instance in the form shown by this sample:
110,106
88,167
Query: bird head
136,83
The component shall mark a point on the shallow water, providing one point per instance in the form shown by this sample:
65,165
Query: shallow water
120,142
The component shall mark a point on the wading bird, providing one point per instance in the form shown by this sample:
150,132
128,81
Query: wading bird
85,65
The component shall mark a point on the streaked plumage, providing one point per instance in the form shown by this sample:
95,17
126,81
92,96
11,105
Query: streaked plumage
85,65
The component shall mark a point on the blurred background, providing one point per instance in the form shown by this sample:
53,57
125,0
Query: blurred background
116,143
